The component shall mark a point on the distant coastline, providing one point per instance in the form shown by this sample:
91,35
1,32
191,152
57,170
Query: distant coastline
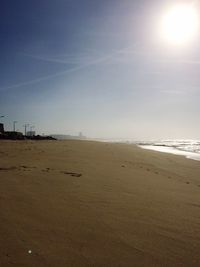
67,137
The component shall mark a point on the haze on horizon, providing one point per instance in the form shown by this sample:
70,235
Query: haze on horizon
99,67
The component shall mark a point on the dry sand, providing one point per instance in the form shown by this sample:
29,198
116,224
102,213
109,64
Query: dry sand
79,203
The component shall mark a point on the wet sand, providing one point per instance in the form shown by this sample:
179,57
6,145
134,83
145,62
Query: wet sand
80,203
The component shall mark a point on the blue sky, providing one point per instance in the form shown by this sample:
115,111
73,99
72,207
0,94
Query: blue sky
98,67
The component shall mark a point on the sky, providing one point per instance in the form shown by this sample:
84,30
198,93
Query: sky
96,67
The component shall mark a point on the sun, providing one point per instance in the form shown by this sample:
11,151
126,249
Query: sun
180,24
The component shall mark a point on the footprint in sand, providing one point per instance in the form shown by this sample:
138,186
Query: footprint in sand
74,174
26,168
7,168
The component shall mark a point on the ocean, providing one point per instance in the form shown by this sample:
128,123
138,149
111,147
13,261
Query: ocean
188,148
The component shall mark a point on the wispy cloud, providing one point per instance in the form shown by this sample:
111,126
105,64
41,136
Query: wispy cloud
173,92
92,57
80,59
47,77
178,61
181,90
47,59
88,63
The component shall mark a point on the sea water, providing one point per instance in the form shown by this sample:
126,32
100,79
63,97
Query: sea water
187,148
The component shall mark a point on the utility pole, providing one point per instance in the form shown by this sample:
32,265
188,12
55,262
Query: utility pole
14,123
25,128
31,130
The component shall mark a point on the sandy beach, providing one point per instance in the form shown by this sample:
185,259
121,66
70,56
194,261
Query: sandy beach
81,203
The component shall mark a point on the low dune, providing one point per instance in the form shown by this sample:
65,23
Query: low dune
81,203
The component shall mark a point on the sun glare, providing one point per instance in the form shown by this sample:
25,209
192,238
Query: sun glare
180,24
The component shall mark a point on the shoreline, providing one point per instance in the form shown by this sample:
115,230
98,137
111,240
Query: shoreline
172,150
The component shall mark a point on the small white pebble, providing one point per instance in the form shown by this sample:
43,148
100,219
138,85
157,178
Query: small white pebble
29,251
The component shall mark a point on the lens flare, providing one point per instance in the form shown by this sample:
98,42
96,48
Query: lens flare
180,24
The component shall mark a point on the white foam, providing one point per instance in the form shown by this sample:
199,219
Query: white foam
172,150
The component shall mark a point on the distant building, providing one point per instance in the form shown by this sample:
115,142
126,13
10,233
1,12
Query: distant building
81,136
1,128
31,133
